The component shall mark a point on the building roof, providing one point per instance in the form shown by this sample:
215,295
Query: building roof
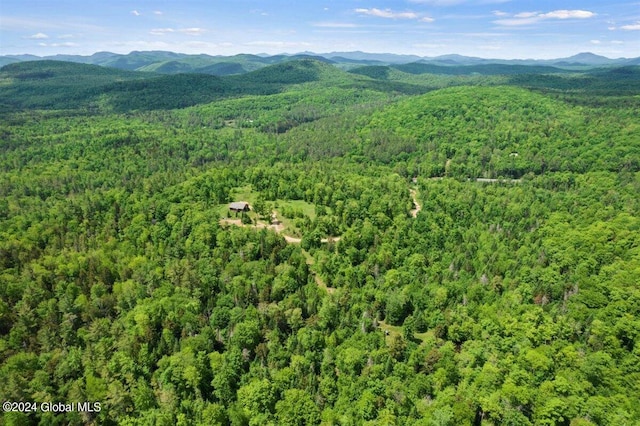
239,205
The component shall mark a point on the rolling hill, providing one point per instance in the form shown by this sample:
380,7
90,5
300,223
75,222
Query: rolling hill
500,132
56,84
67,85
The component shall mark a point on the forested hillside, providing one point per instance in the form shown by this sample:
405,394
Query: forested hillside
448,249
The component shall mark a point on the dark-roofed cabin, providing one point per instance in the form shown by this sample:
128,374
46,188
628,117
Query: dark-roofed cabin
239,206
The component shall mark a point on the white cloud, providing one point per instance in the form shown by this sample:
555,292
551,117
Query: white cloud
606,42
632,27
528,18
161,31
387,13
66,44
568,14
188,31
38,36
135,13
500,13
516,22
526,15
158,12
390,14
193,31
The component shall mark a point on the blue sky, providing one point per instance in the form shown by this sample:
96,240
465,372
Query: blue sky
486,28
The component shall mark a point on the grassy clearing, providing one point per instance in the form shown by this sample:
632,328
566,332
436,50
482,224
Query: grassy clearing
288,225
392,331
246,193
307,209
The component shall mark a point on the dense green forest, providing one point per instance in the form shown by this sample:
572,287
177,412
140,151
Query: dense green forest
451,249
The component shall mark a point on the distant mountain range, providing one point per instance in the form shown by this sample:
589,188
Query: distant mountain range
579,60
66,85
174,63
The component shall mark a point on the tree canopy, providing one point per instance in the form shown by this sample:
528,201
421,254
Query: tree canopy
444,255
